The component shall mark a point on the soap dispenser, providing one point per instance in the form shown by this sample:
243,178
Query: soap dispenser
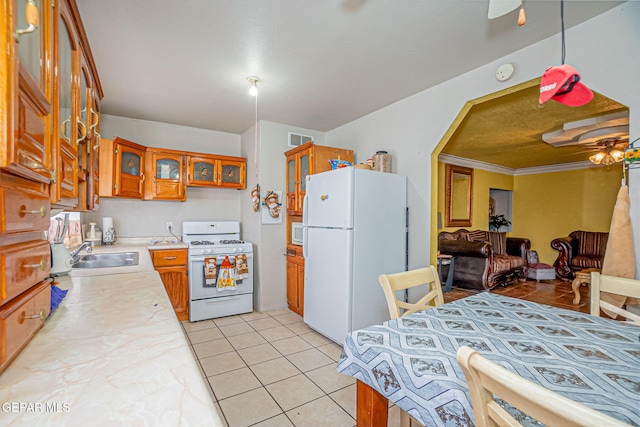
94,235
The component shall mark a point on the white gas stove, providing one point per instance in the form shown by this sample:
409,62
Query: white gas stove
215,291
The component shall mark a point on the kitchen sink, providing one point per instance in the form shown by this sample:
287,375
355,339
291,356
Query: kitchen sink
103,260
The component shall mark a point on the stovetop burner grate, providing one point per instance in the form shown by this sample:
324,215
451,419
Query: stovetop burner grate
219,242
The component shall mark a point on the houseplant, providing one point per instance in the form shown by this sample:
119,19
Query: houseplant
497,221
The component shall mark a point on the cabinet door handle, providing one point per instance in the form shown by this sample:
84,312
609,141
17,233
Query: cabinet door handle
31,15
96,144
64,130
169,258
142,177
83,131
42,265
42,315
95,119
42,211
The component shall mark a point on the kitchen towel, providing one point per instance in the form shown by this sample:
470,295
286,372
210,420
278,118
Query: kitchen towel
57,295
242,270
210,271
226,279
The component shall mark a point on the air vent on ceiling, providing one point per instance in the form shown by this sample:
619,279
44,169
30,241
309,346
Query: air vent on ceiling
295,139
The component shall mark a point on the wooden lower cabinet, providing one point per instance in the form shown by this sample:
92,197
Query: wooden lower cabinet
171,264
295,279
21,319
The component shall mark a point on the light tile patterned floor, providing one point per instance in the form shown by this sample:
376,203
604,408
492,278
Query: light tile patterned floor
271,369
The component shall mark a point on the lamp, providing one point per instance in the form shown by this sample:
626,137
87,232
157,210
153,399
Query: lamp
253,89
608,155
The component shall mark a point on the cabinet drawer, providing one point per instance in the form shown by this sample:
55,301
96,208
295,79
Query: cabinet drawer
22,266
22,211
294,251
21,319
168,257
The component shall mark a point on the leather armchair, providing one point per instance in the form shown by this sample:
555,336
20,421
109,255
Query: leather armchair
483,259
580,250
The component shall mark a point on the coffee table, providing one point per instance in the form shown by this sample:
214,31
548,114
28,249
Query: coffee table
583,277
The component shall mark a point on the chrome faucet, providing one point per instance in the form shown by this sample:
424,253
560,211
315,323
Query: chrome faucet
75,252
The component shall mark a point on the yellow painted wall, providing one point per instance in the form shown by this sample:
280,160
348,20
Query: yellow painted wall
482,182
545,206
550,205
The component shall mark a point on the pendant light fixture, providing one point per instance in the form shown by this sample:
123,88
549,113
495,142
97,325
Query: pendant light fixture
253,81
253,91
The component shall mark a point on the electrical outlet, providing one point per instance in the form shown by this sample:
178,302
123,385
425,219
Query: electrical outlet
169,225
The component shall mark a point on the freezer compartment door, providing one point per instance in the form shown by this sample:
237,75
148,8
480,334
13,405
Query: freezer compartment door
329,199
327,282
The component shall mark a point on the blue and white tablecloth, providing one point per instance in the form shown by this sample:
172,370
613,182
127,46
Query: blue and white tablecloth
412,360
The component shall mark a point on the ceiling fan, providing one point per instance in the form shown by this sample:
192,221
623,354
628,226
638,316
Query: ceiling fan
611,150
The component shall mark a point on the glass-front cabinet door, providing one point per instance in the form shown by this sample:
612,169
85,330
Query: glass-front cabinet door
67,150
83,140
304,171
201,171
31,42
24,126
232,173
292,183
166,170
129,172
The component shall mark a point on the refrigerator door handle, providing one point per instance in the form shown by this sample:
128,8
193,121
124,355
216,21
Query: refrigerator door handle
305,228
304,211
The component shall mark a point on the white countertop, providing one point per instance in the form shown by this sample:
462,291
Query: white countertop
112,353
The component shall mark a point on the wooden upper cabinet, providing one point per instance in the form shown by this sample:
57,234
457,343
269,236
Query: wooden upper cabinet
213,170
121,168
165,175
305,160
128,169
26,82
68,128
76,94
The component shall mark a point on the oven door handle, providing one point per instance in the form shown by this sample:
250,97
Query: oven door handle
201,258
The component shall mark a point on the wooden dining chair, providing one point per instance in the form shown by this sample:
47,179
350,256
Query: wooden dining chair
613,285
391,283
486,379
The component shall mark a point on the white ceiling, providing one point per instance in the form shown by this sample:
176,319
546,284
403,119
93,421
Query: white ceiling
323,63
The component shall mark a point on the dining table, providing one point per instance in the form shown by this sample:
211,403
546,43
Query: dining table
411,361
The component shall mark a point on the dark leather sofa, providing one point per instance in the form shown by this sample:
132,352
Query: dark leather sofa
485,259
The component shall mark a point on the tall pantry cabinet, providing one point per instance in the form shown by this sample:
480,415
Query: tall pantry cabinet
301,161
40,135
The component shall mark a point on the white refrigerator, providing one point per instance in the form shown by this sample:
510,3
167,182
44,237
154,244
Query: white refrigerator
355,224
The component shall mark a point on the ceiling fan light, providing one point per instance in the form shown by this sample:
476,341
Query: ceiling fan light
608,160
597,158
617,155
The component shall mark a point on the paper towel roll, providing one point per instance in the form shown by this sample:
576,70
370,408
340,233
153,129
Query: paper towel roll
107,223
